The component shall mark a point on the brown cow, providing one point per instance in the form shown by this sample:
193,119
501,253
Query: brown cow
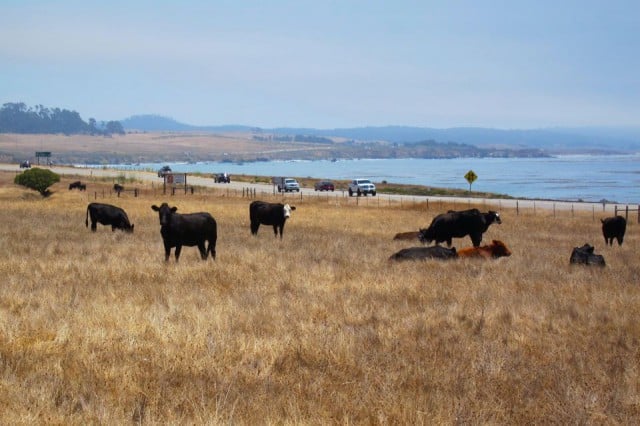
494,250
413,235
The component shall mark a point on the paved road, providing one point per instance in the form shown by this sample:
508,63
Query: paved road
261,187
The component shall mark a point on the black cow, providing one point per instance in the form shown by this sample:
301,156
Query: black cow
421,253
276,214
457,224
106,214
189,229
584,255
613,227
77,184
118,188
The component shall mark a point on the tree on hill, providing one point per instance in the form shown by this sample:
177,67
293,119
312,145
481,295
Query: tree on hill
37,179
18,118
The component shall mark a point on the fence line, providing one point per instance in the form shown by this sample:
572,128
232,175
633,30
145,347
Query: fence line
535,207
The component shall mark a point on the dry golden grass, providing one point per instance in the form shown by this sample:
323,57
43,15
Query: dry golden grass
317,328
148,147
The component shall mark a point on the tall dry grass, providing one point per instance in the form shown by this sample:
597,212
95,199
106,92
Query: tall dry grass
317,328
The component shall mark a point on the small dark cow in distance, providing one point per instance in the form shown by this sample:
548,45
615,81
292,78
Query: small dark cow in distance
189,229
77,185
413,235
458,224
108,215
584,256
275,214
492,251
613,227
118,188
422,253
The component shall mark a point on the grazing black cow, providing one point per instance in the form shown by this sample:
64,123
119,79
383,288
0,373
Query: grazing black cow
189,229
77,184
118,188
276,214
106,214
457,224
584,255
613,227
421,253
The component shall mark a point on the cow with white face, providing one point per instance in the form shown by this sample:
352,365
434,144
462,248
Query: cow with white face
275,214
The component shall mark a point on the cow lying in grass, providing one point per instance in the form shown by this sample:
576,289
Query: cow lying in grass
492,251
422,253
584,256
412,235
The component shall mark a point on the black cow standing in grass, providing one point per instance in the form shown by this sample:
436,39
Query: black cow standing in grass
189,229
457,224
275,214
77,185
118,188
613,227
107,215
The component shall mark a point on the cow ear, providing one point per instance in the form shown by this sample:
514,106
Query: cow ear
174,209
293,207
155,208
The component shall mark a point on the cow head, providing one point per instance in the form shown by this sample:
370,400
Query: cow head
494,216
165,212
287,209
424,235
499,249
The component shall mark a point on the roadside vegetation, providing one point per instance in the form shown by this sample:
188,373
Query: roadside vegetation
319,328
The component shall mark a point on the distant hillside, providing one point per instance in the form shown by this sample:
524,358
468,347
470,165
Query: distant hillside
587,139
157,123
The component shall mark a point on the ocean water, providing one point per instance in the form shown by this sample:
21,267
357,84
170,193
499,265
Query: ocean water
615,178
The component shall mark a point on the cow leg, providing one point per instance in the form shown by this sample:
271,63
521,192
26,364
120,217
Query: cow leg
619,241
94,226
167,252
203,250
177,253
275,231
212,249
476,239
254,227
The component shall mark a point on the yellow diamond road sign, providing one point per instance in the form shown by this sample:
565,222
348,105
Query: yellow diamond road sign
471,177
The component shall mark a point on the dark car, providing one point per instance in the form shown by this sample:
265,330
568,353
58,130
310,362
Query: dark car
324,185
163,171
221,178
25,164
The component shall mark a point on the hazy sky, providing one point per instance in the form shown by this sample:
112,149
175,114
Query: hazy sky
325,64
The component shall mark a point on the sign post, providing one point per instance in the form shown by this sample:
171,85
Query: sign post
173,180
43,154
471,177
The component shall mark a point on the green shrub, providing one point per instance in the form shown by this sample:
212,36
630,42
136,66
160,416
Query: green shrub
38,179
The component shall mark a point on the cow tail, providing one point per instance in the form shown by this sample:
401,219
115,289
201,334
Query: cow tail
86,220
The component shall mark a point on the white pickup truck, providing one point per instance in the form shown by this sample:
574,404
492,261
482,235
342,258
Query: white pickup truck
361,187
286,184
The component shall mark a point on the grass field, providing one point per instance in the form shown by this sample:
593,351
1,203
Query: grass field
95,328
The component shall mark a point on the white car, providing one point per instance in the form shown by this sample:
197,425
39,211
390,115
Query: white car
361,187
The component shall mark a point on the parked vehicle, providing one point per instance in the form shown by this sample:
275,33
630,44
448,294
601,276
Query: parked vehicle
221,178
361,187
285,184
324,185
163,171
25,164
